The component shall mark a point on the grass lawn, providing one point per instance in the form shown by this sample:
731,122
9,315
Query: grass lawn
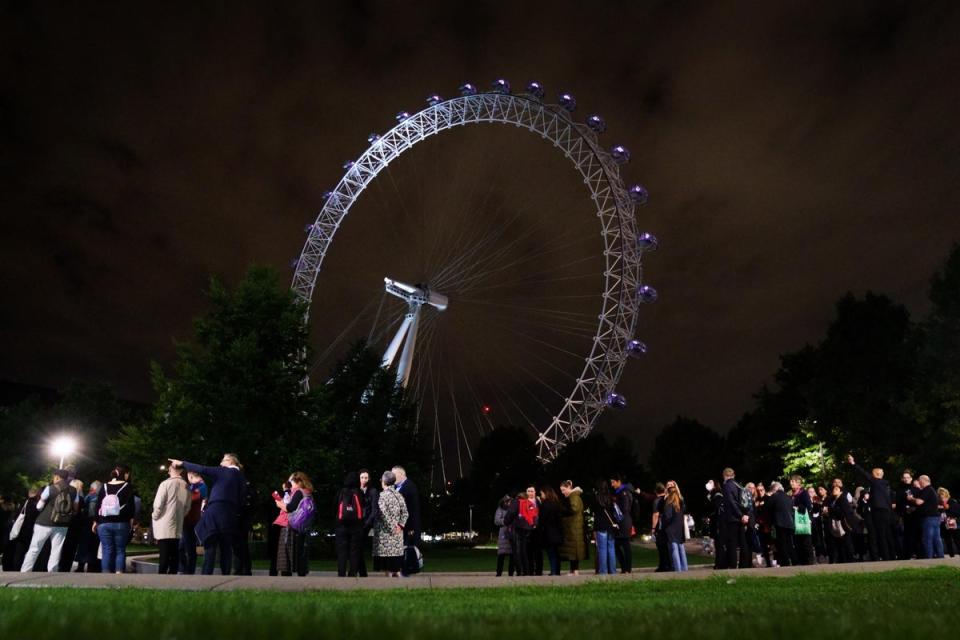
444,559
911,603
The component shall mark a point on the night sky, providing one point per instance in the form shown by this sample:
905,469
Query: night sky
792,153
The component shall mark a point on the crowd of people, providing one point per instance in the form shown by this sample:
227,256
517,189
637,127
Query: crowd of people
770,526
749,525
60,528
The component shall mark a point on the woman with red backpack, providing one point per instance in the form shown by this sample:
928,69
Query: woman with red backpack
292,554
349,529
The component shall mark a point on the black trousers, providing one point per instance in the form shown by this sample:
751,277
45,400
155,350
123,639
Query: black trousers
241,549
911,537
273,542
522,545
785,551
842,550
951,541
881,532
736,552
664,561
349,546
169,555
803,548
188,550
500,560
624,553
223,543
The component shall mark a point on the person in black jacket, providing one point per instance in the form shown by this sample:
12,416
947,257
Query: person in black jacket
950,510
715,500
371,510
551,534
664,561
733,525
840,512
411,530
623,498
780,512
881,514
350,526
909,530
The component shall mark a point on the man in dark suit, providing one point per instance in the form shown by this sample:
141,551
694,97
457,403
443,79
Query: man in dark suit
412,530
733,524
881,511
780,509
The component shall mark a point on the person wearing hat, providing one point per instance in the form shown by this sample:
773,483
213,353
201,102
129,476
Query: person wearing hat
53,518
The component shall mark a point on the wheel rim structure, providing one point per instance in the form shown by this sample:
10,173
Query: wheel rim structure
614,208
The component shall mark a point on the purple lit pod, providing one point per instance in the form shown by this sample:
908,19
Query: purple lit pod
647,242
647,294
467,89
597,123
636,349
295,263
327,195
616,401
373,137
536,90
501,86
348,164
308,228
567,101
434,100
620,154
401,116
638,194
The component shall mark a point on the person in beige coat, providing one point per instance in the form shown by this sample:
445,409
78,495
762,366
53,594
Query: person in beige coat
169,508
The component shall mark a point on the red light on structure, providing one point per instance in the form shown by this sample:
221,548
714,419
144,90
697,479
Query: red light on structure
485,409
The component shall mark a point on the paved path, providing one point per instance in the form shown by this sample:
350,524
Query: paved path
422,581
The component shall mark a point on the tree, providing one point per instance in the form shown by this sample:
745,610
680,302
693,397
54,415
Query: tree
686,452
807,456
935,401
504,462
235,387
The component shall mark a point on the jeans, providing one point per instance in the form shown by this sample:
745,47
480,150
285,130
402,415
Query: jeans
553,555
114,537
679,555
930,542
57,535
606,553
188,550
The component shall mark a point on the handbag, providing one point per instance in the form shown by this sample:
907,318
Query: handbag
801,523
836,529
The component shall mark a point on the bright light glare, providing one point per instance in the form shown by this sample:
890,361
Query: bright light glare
63,446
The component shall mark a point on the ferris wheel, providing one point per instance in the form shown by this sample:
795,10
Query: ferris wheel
495,255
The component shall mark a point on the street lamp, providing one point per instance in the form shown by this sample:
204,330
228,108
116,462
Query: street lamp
62,447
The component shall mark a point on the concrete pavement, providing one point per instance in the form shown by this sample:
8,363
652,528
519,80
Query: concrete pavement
422,581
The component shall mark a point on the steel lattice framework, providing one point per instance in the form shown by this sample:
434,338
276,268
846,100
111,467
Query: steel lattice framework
614,209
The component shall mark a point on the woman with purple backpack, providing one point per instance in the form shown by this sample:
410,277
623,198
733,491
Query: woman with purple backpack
292,550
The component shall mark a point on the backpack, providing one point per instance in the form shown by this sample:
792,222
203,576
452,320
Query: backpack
301,519
110,507
746,499
349,510
62,512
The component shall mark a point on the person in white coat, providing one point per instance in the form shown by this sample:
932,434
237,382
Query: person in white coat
169,508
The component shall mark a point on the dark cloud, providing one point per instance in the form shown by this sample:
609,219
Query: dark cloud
792,153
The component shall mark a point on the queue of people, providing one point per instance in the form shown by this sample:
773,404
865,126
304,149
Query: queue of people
753,525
